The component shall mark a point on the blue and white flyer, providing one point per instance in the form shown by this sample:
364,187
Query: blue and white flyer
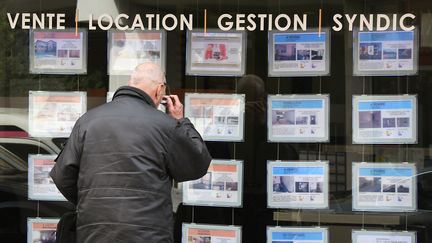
297,235
392,53
299,54
298,118
297,184
384,187
369,236
390,119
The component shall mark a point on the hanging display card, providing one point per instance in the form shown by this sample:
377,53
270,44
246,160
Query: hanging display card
361,236
127,49
216,53
386,119
297,184
192,233
58,52
53,114
294,54
386,53
221,186
298,118
41,230
297,235
217,117
390,187
40,184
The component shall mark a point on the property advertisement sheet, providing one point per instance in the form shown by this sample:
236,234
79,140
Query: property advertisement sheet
221,186
53,114
385,53
58,52
298,118
200,233
216,53
367,236
297,184
384,187
297,235
385,119
41,230
299,54
127,49
41,186
217,117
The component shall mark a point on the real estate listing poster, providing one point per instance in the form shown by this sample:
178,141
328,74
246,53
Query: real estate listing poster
298,118
53,114
386,119
217,117
221,186
127,49
297,235
392,53
369,236
58,52
201,233
299,54
216,53
297,184
384,187
41,230
40,184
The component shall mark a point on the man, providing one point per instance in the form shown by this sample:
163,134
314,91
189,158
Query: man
120,159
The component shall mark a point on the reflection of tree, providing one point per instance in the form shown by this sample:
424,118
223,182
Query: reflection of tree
15,80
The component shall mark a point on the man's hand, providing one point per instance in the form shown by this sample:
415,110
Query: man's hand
174,106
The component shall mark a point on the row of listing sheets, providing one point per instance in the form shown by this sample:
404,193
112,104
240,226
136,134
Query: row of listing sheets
382,187
44,229
223,53
376,119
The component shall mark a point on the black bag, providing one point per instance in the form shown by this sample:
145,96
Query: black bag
66,228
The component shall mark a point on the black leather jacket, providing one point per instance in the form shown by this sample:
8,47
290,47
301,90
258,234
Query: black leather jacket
118,166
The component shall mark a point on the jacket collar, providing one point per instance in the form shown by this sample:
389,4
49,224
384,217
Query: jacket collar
133,92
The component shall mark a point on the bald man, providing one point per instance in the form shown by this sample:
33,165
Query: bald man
121,158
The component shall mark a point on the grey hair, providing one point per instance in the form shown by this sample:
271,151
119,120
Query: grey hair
147,72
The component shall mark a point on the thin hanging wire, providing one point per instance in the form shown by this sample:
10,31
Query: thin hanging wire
38,209
232,216
193,214
363,220
319,218
277,217
406,221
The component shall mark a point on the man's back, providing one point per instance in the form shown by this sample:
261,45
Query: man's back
128,153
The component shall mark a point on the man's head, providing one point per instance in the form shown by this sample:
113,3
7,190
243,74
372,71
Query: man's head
149,78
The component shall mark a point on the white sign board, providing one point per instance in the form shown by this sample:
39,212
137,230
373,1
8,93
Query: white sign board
53,114
294,54
298,118
128,49
217,117
385,53
216,53
40,184
222,186
201,233
385,119
390,187
298,184
58,52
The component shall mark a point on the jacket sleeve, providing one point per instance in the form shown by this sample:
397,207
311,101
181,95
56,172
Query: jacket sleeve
66,168
188,157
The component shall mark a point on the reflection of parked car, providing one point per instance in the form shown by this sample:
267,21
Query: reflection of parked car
15,146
